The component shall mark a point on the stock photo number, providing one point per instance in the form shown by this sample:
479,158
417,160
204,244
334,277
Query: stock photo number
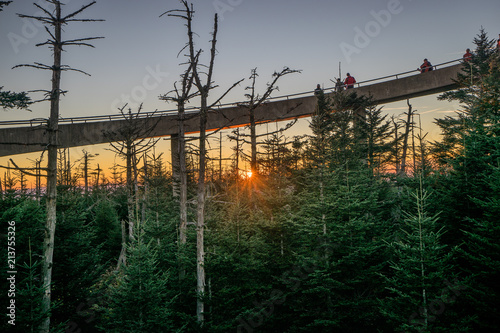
11,272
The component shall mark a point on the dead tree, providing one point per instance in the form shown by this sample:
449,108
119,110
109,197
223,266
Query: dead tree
220,159
203,88
237,150
254,101
396,141
55,20
178,145
408,125
422,149
87,157
130,141
254,143
64,170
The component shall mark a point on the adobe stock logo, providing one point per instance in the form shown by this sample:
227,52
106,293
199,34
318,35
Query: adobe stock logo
30,28
222,6
139,93
372,29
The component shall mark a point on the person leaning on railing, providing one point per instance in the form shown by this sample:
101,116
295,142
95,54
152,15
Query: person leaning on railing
426,66
467,56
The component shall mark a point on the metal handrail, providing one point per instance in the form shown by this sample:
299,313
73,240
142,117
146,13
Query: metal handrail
118,116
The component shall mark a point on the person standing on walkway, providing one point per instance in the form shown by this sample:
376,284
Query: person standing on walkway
349,81
318,90
467,55
338,85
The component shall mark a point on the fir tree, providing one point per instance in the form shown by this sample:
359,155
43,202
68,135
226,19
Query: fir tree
478,84
137,299
421,271
11,100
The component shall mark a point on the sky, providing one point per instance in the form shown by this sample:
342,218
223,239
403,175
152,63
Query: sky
138,60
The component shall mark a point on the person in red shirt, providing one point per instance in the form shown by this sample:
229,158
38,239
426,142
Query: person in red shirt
349,81
498,43
426,66
467,55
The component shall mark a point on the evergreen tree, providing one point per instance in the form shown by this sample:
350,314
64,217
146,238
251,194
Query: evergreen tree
421,274
478,84
11,100
28,216
469,191
4,3
137,298
342,211
378,143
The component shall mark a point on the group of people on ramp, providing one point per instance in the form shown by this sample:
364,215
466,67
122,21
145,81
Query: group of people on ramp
426,66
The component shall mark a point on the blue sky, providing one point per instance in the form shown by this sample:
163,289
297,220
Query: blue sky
138,57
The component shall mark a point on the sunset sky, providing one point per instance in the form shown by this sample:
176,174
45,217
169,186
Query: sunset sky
137,61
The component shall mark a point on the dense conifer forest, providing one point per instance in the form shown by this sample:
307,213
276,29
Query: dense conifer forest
362,226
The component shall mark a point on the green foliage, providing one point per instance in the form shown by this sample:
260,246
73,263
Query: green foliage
4,3
11,100
468,193
420,268
478,94
342,234
321,241
106,227
28,299
137,298
29,217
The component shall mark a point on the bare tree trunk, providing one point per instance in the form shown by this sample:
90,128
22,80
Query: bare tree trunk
405,138
56,21
413,148
133,141
130,191
144,198
254,102
86,172
423,153
97,176
68,167
50,226
179,173
200,224
203,90
220,156
236,165
122,259
253,143
38,180
183,179
396,150
174,152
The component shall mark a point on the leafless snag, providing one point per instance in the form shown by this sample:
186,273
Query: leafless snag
84,165
203,88
131,140
56,21
254,101
408,126
178,147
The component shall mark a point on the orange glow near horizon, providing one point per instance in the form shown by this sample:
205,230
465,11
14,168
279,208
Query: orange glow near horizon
245,174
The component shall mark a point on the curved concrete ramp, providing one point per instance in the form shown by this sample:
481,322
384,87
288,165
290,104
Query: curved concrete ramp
22,140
